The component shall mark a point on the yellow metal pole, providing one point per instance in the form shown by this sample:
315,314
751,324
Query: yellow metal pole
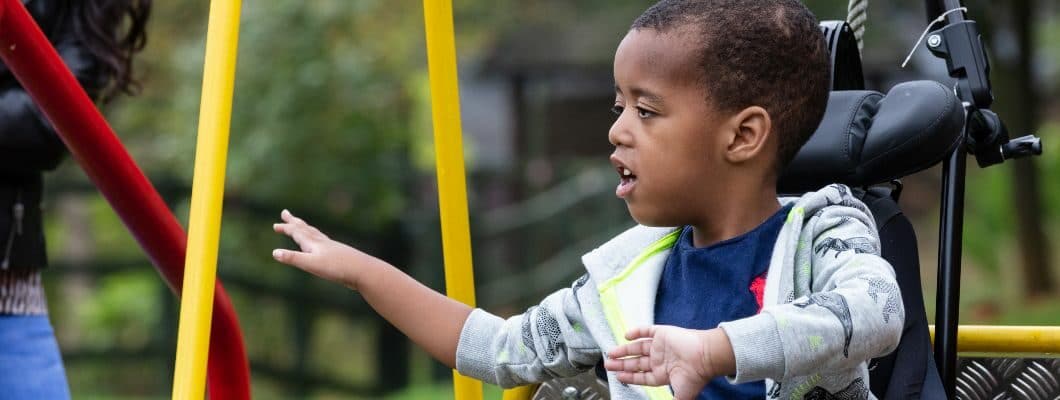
449,161
204,223
1006,339
520,393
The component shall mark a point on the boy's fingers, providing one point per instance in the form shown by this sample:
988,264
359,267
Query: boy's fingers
634,364
294,226
296,233
292,230
301,234
289,218
640,332
619,365
638,378
315,232
289,257
637,348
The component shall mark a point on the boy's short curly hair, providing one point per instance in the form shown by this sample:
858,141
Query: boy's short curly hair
768,53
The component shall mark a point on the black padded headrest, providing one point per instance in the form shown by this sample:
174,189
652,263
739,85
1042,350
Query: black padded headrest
867,138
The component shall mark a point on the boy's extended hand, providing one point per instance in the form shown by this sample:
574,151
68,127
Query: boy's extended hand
427,317
320,255
683,358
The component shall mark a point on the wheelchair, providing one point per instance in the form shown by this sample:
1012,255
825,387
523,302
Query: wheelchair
869,141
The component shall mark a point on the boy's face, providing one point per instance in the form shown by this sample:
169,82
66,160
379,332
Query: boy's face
667,150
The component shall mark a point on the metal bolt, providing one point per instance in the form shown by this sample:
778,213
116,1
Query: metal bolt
570,393
934,41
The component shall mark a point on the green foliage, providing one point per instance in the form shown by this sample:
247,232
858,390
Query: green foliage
319,118
988,215
1049,166
119,306
989,224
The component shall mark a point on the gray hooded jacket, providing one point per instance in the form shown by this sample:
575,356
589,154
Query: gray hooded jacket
831,304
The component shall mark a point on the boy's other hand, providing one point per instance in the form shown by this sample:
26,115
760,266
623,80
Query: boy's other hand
683,358
320,255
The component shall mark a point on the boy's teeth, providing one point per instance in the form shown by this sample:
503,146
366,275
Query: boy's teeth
626,172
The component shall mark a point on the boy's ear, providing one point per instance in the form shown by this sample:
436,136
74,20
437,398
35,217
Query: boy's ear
751,131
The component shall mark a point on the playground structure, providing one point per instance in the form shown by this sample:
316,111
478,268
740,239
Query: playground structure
32,59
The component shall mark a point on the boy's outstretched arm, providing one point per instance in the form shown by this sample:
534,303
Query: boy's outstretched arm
685,359
430,319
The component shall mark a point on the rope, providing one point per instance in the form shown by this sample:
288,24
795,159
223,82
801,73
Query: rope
857,14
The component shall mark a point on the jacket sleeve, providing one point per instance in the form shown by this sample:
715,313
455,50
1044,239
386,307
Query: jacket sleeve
28,143
853,314
549,340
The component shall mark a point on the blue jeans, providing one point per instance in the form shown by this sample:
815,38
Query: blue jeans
30,364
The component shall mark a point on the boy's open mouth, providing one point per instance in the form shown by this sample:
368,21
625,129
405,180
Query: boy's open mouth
626,182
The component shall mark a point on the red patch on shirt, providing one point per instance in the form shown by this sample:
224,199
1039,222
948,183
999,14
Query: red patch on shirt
758,288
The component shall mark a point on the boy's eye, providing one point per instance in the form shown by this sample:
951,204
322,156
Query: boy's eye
617,109
644,113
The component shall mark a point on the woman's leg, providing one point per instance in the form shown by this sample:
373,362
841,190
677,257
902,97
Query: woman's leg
30,364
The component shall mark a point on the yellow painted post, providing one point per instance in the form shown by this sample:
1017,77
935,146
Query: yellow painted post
204,223
449,161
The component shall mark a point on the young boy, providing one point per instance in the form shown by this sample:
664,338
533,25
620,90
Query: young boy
713,98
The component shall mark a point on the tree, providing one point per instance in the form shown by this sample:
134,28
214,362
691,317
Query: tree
1018,103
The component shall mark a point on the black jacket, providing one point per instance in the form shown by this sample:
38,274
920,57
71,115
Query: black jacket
28,144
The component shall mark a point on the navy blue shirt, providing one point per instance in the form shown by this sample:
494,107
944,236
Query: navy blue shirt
703,287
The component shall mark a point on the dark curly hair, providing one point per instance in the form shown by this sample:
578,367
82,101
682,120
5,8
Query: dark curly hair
768,53
113,31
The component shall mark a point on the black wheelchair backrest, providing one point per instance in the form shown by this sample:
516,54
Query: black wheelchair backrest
868,138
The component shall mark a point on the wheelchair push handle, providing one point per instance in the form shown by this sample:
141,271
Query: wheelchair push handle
1023,146
988,140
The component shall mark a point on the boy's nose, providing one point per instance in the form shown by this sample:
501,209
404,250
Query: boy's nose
619,135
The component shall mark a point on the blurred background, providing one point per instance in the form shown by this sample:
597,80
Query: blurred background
332,120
